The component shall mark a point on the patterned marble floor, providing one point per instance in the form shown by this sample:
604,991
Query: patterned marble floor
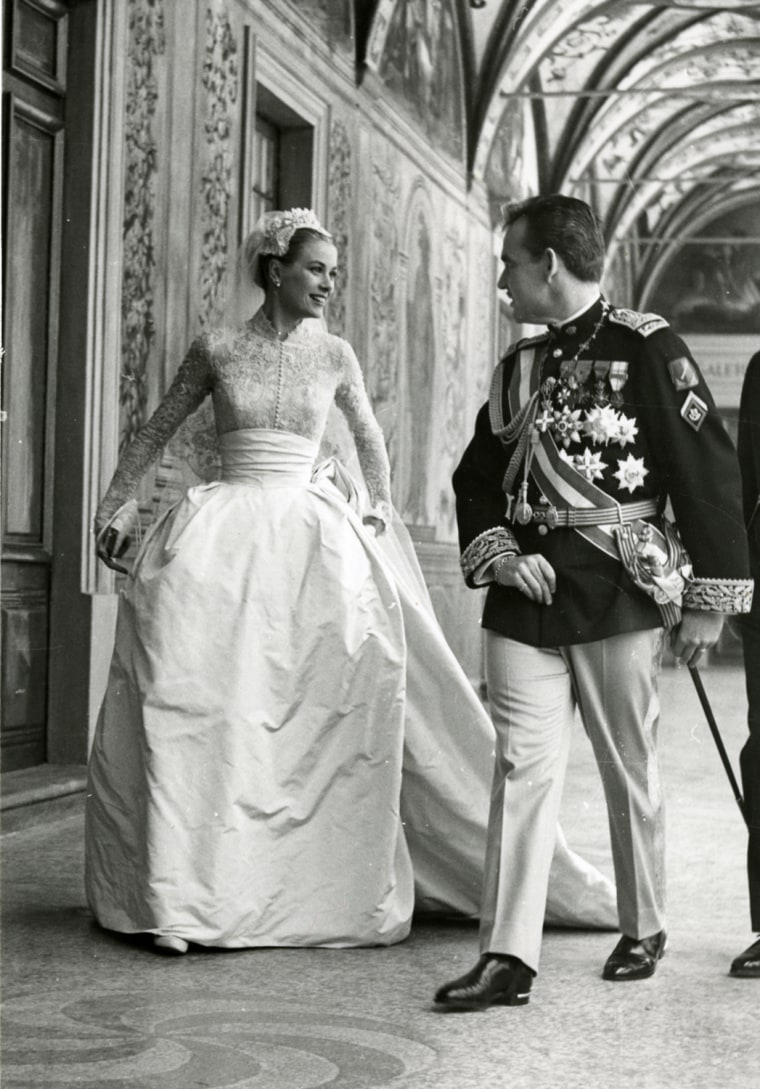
85,1008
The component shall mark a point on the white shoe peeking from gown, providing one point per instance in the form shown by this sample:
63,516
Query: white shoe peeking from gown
169,945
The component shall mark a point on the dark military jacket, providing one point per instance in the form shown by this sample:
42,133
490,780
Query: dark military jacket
621,414
748,446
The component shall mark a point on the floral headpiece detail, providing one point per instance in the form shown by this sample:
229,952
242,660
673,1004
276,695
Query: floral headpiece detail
277,229
272,236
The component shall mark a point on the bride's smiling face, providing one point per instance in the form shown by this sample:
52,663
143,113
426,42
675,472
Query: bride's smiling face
308,280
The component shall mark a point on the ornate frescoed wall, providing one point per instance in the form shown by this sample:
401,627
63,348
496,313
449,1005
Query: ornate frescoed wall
145,83
340,196
512,170
220,81
420,363
452,420
415,50
382,365
333,18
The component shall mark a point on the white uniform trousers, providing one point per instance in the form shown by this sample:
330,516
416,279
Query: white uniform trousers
533,693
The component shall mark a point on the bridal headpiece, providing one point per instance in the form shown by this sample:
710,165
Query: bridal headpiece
273,233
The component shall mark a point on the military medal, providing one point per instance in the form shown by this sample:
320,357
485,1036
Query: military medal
618,378
583,370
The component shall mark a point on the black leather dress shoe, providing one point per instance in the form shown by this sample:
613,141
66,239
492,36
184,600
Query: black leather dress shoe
494,981
635,958
747,964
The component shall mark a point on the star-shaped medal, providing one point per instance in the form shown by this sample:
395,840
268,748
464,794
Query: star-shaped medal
601,424
626,430
630,473
590,465
566,426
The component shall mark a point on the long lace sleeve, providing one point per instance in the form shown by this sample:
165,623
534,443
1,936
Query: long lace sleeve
190,386
351,398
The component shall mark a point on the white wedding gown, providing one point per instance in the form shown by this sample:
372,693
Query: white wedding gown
288,752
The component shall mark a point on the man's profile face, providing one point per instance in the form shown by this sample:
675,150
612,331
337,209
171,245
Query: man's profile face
524,277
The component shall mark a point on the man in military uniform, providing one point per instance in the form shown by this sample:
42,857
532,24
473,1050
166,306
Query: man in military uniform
747,964
589,430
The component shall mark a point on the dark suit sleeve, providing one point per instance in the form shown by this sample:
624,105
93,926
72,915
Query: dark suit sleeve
480,502
748,447
698,467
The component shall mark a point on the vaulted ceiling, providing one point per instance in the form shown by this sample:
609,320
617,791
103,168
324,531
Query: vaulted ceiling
649,109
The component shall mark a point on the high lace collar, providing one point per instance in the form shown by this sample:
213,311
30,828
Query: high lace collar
261,324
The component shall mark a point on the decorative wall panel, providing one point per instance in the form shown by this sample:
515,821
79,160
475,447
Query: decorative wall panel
414,47
220,78
420,357
147,45
340,210
383,370
451,419
333,18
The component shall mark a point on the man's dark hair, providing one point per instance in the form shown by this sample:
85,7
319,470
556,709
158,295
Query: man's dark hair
566,225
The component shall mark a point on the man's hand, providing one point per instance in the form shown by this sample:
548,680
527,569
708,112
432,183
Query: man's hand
532,575
697,632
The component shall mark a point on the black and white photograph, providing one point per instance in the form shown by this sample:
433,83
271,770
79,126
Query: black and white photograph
380,492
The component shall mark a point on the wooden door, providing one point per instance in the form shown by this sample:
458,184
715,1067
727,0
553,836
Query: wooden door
34,88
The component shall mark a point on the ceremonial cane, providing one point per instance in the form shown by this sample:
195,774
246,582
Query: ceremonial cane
718,740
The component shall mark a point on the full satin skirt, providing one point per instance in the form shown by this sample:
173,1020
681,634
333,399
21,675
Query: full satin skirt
288,753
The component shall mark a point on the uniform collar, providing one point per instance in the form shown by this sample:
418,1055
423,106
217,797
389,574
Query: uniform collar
580,324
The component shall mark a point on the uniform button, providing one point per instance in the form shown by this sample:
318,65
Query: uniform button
571,330
543,530
557,353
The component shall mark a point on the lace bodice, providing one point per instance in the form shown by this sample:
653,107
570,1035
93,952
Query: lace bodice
257,380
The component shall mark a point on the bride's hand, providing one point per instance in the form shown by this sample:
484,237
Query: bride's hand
113,538
375,523
110,545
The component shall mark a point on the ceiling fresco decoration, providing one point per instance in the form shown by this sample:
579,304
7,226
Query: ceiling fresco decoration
649,109
414,47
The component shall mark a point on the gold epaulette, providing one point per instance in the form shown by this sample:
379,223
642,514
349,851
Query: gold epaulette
643,324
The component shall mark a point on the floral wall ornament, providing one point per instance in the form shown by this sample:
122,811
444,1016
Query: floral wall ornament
340,205
220,79
146,45
383,377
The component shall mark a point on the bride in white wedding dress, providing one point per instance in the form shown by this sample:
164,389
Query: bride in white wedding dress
288,753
